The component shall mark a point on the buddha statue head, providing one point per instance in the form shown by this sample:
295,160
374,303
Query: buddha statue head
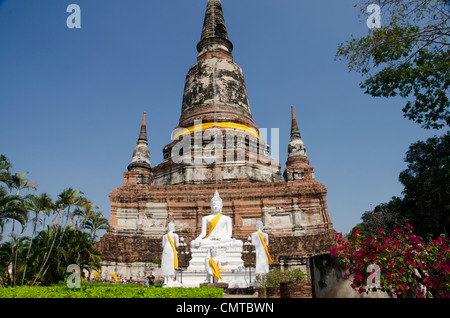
216,204
259,225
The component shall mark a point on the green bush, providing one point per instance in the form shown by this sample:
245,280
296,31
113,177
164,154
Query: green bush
277,276
108,291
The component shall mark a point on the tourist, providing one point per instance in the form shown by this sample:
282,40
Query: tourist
151,279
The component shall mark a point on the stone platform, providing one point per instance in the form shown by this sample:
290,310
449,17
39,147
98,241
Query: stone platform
234,279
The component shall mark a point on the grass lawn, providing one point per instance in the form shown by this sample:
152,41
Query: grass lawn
99,290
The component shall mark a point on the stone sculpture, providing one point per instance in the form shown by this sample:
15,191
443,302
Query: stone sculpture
261,241
169,260
213,265
217,229
216,239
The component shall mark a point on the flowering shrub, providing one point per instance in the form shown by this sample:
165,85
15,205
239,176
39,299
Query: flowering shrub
409,266
275,277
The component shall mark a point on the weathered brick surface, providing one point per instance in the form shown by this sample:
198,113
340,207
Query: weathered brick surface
296,290
129,249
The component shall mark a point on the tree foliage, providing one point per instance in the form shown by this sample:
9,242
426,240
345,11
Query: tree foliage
426,184
63,231
408,57
381,217
426,194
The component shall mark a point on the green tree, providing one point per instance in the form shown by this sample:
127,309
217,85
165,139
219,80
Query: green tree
37,204
89,218
17,210
408,56
67,199
95,222
12,254
8,209
426,194
426,184
5,167
75,248
44,257
6,200
84,210
382,217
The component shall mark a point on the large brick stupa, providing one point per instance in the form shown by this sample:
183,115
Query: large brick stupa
216,146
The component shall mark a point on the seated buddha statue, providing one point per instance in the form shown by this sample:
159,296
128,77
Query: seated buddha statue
217,229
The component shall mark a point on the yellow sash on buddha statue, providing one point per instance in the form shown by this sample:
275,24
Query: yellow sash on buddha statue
175,255
265,247
215,269
212,224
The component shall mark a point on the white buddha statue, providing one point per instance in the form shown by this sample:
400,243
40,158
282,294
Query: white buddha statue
217,229
213,266
169,259
261,241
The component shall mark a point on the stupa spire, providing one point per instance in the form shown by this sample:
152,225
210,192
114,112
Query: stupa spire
143,133
297,165
141,153
295,132
296,146
215,101
214,28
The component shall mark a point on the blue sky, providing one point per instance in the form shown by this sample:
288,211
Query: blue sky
72,100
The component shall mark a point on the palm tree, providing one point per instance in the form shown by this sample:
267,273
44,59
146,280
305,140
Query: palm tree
5,167
75,248
18,182
84,210
66,199
78,249
9,210
10,202
95,223
37,204
40,254
5,199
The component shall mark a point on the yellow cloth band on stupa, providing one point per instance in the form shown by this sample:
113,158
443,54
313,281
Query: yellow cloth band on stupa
218,125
